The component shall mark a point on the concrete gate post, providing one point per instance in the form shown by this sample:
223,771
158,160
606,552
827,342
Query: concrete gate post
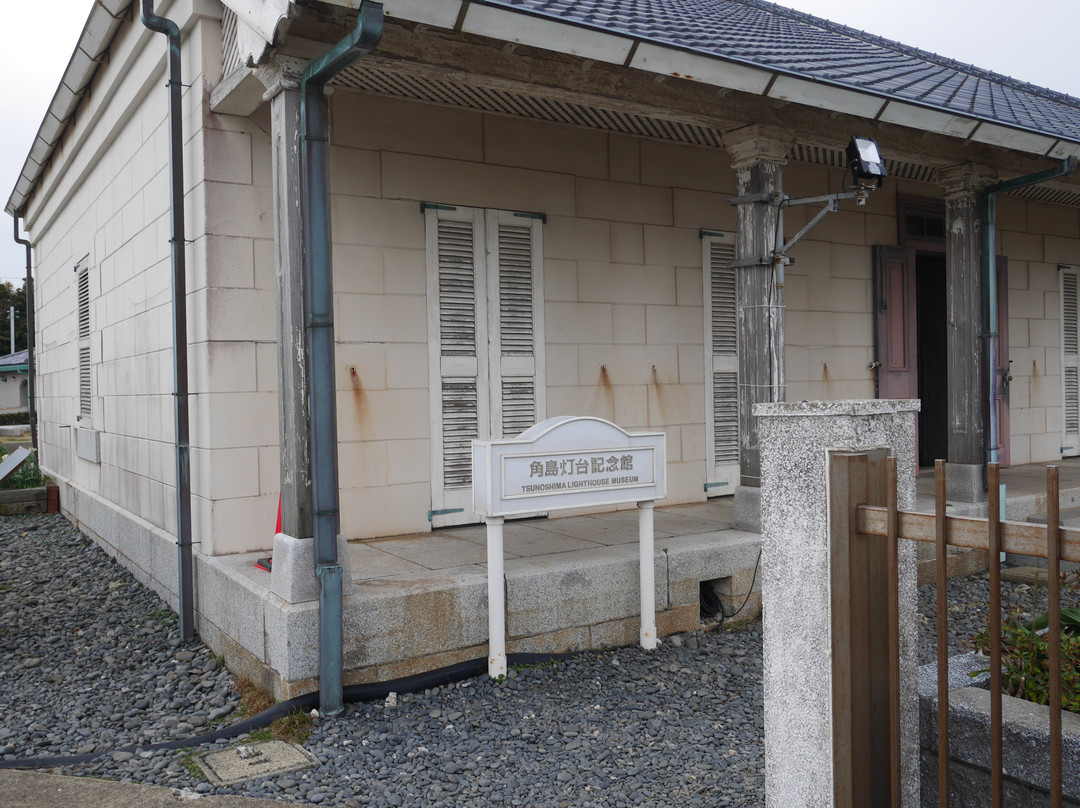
796,606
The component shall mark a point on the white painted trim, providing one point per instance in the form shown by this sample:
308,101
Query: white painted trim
511,26
680,64
443,14
930,120
824,96
1013,138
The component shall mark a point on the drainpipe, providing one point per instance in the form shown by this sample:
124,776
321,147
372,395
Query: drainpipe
30,371
988,214
186,609
319,336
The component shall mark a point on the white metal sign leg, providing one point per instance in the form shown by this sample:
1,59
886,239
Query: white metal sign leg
496,599
648,592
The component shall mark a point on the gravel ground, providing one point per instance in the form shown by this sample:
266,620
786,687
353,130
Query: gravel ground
90,660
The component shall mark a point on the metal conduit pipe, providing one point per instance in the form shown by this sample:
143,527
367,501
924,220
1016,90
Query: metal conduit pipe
319,333
988,238
30,371
186,608
319,337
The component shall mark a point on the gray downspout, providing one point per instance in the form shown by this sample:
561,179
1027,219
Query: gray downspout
319,333
988,215
186,609
30,370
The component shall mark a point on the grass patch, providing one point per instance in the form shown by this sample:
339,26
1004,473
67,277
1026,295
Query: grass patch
187,760
253,698
292,728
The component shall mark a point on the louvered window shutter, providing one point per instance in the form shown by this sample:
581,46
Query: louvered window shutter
457,332
721,364
1070,365
82,276
515,294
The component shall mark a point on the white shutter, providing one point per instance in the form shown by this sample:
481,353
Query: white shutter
516,294
457,335
1070,362
82,278
721,364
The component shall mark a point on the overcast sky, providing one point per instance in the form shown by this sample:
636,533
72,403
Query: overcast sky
1032,41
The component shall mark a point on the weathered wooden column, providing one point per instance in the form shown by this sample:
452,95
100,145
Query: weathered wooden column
966,339
293,576
758,154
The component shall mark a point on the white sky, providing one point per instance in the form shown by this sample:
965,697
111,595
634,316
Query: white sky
1033,41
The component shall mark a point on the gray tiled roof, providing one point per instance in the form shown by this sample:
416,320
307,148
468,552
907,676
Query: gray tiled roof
765,35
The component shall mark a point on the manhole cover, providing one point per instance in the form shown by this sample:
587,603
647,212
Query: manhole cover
240,763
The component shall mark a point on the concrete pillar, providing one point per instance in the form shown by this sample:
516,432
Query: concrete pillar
795,592
758,154
293,576
966,342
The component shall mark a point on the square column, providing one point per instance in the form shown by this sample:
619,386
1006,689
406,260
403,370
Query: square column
758,154
293,576
966,335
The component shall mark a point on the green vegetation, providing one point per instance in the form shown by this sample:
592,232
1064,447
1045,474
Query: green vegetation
28,475
1025,657
14,418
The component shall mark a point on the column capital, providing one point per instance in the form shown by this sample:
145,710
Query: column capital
280,73
758,143
965,179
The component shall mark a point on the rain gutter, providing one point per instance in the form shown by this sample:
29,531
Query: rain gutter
186,606
319,337
29,336
988,216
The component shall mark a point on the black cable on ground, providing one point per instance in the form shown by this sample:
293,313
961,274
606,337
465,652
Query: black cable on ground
306,702
723,614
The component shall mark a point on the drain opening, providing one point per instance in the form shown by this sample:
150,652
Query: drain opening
712,595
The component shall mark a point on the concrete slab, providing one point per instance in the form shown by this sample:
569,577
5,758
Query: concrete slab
367,561
607,529
238,764
435,551
35,790
534,539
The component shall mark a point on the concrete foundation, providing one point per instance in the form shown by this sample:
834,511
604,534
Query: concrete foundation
401,623
964,482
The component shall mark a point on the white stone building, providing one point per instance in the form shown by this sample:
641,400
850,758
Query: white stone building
531,217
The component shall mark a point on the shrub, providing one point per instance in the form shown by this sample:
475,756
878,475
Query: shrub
1025,657
14,418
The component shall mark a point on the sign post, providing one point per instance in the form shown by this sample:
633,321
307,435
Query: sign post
561,463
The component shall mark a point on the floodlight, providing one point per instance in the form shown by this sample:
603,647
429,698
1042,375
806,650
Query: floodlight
864,160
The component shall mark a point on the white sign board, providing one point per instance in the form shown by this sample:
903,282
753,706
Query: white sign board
568,462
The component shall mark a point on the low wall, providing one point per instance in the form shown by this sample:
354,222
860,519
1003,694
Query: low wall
1025,751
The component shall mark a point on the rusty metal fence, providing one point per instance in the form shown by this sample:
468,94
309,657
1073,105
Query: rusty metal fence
865,529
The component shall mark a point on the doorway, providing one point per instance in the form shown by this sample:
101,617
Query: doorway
933,366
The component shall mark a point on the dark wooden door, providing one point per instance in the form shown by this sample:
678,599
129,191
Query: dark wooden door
895,338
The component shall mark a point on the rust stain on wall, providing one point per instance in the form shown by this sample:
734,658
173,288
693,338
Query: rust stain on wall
607,394
658,387
360,401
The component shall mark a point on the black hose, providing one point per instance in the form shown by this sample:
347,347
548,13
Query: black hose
308,701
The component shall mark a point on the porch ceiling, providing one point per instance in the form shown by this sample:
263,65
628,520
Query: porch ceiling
427,83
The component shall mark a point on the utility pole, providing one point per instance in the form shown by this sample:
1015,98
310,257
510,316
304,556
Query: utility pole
11,321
